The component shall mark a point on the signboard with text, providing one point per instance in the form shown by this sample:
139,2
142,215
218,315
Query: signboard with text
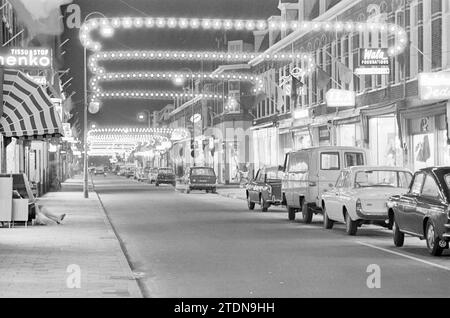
340,98
374,62
26,58
434,86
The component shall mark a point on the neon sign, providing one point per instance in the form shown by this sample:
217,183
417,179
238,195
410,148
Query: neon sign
434,86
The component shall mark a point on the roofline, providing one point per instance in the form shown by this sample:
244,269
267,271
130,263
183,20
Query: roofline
291,38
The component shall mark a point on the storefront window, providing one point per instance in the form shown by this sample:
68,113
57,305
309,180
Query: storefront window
423,142
384,142
349,135
302,140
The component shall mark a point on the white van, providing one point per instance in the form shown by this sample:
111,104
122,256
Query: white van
310,172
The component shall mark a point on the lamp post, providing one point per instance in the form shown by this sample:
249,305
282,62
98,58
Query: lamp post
149,117
85,117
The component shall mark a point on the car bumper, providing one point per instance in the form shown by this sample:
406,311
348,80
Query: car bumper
372,216
202,186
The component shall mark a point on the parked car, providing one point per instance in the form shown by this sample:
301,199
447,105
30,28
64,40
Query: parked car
265,189
152,174
100,170
130,171
308,172
165,176
200,178
360,196
423,211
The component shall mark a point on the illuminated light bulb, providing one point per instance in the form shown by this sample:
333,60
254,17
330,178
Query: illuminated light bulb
294,25
228,25
161,22
183,23
206,24
262,25
283,25
217,24
250,25
195,23
149,22
127,23
273,25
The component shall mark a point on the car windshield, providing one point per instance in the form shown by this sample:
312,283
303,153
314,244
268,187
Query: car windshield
447,182
382,178
165,170
202,172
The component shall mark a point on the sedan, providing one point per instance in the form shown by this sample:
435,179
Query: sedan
423,211
360,196
265,189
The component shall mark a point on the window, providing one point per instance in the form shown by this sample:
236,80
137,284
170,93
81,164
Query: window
340,181
430,188
298,162
382,178
329,161
354,159
417,184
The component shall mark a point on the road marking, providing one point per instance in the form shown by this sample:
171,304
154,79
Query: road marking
404,255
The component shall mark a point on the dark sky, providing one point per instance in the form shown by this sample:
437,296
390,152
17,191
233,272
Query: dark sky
123,112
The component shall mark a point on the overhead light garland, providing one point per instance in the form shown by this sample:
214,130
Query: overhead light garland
112,24
157,95
108,26
194,56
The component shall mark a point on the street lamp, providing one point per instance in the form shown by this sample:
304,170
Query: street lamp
85,111
145,113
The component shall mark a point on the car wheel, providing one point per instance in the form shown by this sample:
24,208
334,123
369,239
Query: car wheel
188,190
264,205
157,184
307,213
214,190
399,236
327,223
433,240
351,226
250,204
291,213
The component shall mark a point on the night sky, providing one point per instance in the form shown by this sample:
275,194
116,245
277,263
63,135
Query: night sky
124,112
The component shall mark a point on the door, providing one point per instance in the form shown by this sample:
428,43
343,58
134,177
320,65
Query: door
328,172
430,202
254,185
407,208
334,206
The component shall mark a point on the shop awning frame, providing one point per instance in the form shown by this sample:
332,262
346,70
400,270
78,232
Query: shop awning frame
28,111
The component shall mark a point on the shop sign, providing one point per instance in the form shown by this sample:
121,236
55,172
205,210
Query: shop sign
324,133
374,62
434,86
340,98
26,58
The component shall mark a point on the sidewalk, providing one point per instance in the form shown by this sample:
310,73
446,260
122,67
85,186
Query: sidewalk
232,192
34,260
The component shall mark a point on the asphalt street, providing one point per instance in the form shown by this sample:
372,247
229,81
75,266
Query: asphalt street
206,245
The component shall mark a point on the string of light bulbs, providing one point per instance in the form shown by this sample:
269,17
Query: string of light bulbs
108,27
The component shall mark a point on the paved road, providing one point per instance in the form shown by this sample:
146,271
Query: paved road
205,245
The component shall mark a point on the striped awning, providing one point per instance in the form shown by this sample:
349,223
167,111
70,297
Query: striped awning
28,111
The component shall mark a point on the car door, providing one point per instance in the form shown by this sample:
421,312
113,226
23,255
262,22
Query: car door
253,185
332,202
430,202
406,210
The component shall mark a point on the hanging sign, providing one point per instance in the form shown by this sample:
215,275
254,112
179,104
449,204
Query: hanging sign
26,58
434,86
340,98
374,62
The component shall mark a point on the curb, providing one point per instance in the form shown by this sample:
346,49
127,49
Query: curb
231,196
125,259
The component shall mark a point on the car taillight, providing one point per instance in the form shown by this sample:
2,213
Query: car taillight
358,206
